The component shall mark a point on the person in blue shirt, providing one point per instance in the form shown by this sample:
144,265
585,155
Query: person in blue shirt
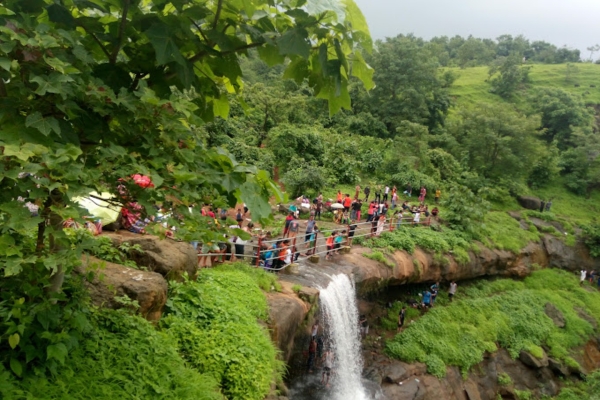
434,292
338,241
427,298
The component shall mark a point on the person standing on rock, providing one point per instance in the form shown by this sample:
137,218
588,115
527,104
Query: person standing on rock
310,226
312,352
357,192
542,206
367,192
363,325
315,329
401,317
327,366
583,274
452,290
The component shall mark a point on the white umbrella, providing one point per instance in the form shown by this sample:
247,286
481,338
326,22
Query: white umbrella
337,206
96,205
305,205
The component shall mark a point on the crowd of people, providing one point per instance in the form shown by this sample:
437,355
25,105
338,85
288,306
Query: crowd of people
386,200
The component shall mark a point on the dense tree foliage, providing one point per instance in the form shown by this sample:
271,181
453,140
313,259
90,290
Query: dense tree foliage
92,92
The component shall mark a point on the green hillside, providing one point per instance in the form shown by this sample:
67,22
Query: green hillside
471,87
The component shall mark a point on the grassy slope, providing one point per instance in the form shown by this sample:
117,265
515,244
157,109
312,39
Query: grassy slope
471,87
503,312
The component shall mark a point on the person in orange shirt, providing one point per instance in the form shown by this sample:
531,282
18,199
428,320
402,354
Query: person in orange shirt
347,203
330,244
339,196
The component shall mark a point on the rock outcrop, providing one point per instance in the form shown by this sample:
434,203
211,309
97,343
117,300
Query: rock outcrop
529,202
287,316
421,266
401,381
555,315
168,257
107,281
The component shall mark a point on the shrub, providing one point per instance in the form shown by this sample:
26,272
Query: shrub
213,316
504,379
379,257
297,288
124,356
523,394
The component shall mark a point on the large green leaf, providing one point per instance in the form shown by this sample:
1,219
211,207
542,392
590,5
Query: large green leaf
162,39
294,42
362,70
44,125
270,54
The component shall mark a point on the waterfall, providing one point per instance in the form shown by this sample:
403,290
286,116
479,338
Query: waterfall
340,317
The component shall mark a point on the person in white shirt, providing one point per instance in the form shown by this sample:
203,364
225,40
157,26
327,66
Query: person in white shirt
417,217
452,290
386,191
582,277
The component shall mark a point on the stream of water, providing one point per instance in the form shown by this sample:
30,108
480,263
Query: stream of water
340,318
340,334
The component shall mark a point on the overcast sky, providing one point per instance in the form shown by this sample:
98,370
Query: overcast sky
575,23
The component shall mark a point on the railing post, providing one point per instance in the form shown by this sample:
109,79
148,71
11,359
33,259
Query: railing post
314,249
258,251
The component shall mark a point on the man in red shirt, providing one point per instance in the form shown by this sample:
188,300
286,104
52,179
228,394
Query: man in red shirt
347,203
371,211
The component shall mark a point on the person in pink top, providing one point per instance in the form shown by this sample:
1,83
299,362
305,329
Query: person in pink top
423,194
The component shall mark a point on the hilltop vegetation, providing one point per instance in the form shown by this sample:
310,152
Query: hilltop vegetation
471,86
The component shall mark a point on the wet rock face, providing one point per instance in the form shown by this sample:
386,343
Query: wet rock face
168,257
286,316
110,280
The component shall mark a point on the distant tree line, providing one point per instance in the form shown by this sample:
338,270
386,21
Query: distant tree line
458,51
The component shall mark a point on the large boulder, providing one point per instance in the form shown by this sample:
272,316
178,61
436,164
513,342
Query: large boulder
168,257
107,281
532,361
555,315
286,315
530,202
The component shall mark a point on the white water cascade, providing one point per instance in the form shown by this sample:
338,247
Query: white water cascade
340,316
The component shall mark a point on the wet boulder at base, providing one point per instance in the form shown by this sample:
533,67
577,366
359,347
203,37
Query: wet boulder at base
107,281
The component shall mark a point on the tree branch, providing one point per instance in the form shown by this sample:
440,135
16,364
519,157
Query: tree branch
104,50
115,52
242,48
218,13
201,32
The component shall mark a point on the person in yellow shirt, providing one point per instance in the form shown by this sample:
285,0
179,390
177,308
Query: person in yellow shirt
438,194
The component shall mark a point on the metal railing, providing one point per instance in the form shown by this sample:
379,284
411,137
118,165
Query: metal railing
312,247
